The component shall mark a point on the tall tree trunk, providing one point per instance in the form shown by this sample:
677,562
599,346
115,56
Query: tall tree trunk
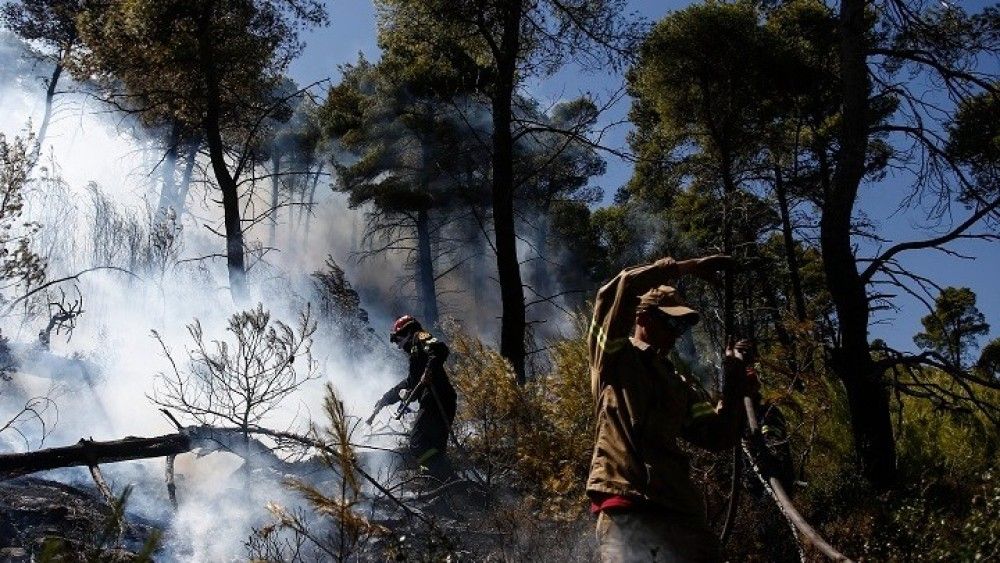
792,259
168,191
312,201
50,94
512,324
425,270
275,183
185,185
866,392
729,283
216,149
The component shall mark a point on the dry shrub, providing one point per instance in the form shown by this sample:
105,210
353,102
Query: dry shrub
334,528
537,438
557,454
493,412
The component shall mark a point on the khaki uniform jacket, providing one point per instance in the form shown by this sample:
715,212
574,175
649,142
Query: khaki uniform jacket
643,405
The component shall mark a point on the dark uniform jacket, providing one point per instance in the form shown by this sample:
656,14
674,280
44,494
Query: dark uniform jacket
643,405
427,354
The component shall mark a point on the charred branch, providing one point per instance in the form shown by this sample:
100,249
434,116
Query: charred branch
62,317
90,453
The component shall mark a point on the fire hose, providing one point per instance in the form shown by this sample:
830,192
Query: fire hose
778,493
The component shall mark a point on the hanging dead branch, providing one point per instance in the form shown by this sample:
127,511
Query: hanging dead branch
62,317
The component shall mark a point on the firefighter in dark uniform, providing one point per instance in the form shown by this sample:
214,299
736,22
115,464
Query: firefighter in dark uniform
435,395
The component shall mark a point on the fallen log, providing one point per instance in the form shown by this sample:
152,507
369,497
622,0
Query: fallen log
90,453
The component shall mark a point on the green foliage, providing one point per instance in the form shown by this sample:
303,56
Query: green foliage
949,510
706,92
946,508
974,139
943,447
955,325
695,213
924,530
554,164
625,236
156,51
51,22
988,365
462,44
975,133
404,151
20,266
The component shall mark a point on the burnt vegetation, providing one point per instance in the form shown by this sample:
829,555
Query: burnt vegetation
187,350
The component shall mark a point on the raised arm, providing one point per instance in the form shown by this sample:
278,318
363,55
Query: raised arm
614,308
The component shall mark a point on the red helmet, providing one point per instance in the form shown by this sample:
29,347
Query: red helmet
403,326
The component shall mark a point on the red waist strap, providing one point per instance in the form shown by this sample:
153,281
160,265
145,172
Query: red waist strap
600,502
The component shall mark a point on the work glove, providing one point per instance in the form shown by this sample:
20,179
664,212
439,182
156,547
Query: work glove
378,408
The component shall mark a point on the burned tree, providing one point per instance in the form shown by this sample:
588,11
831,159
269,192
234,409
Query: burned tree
51,24
63,315
242,381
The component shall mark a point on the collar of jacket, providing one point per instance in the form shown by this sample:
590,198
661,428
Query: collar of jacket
409,342
647,348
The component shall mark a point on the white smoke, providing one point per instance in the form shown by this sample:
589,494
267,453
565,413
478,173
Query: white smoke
87,155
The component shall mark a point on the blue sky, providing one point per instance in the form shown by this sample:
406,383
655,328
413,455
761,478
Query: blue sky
352,30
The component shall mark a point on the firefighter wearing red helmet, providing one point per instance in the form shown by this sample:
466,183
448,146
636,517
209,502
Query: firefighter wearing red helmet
435,395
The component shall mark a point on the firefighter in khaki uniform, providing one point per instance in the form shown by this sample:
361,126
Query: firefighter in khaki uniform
639,483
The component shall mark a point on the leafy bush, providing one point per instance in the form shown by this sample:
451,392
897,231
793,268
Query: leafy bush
945,507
